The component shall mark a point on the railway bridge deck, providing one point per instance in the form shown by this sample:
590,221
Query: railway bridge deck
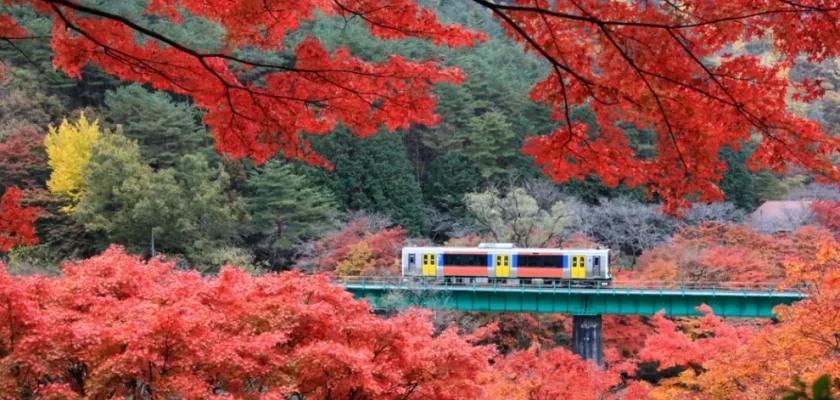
743,300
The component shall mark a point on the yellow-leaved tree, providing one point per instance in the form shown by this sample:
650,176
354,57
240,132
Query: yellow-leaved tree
359,261
68,149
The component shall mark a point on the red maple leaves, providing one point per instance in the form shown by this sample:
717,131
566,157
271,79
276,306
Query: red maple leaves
16,222
114,325
312,96
827,213
668,67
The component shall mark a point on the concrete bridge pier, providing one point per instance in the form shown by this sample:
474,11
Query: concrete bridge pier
588,338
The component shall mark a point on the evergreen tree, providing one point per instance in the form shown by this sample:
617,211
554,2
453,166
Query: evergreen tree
372,174
447,180
285,209
738,182
165,130
117,181
489,142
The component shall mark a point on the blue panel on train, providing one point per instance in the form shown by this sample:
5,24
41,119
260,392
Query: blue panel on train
440,260
489,261
565,262
515,262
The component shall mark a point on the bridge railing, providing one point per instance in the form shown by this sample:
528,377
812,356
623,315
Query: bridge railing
438,283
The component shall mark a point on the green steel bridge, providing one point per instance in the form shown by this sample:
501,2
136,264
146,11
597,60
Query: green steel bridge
747,300
743,300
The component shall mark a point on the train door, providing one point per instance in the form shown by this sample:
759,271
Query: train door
429,264
502,266
578,267
411,266
596,266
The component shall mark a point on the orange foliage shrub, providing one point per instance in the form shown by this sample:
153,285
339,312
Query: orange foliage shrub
359,251
827,213
804,344
728,253
551,374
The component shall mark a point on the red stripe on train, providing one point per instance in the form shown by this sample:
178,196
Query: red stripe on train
464,271
539,272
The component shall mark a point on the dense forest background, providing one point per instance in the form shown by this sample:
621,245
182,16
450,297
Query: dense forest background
154,182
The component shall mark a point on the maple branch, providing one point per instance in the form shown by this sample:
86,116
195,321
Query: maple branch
201,55
652,92
566,108
363,16
22,54
588,83
597,21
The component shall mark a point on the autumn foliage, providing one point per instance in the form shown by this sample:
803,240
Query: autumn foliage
22,159
16,221
69,149
552,374
827,213
600,53
738,364
729,253
355,250
320,90
114,325
117,326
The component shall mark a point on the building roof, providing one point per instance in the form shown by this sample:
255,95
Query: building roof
779,216
781,209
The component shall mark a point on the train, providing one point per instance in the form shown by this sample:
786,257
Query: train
504,263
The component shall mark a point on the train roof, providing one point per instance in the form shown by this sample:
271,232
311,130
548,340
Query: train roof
494,248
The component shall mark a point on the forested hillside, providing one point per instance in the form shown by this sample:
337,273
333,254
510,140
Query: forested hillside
155,212
152,166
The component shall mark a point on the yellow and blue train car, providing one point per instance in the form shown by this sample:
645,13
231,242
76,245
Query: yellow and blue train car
507,264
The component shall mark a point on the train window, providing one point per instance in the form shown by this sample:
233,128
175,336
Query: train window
411,261
541,261
596,265
465,260
425,259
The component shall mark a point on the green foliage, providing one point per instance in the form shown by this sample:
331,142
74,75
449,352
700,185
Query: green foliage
118,180
285,209
24,105
31,260
372,174
820,390
489,142
499,78
738,184
165,130
776,187
448,178
186,206
37,56
212,259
